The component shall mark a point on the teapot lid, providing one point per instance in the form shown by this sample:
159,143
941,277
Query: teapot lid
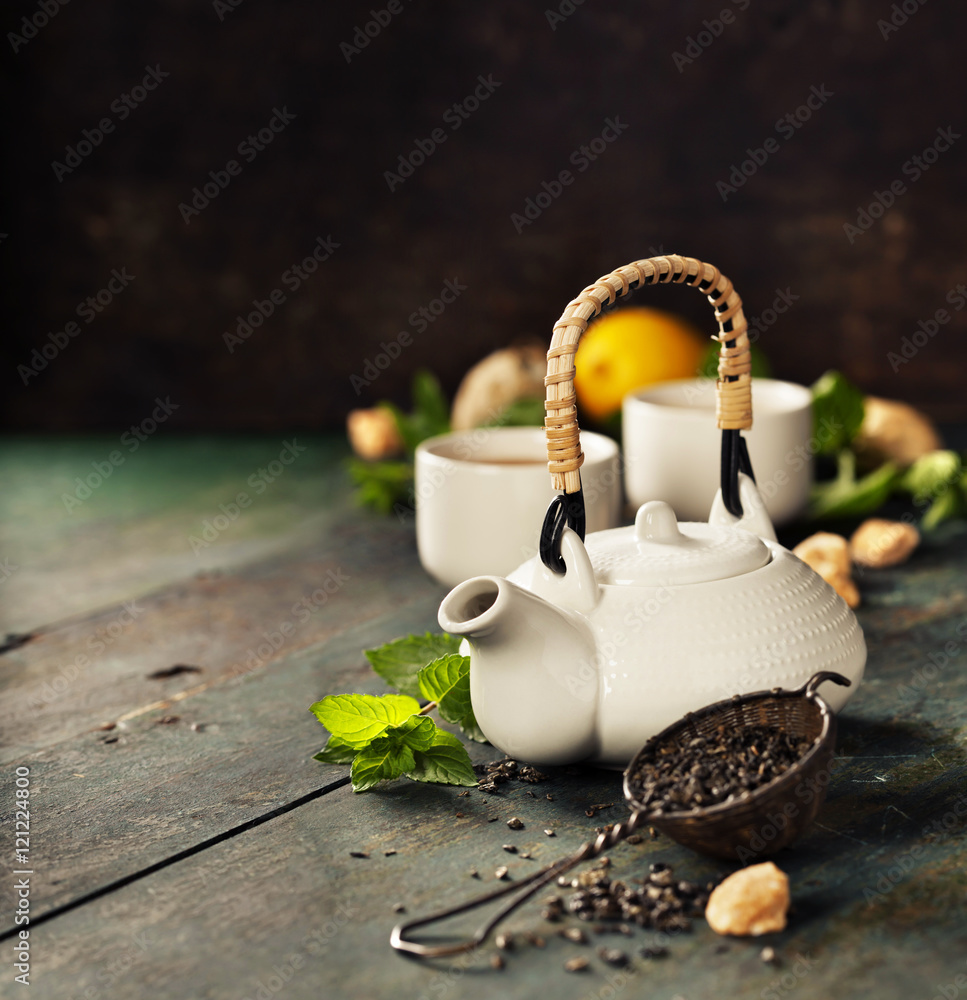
660,551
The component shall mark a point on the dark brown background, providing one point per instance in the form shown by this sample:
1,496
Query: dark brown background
655,187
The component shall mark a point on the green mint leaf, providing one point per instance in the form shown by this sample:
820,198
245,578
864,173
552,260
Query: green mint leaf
336,751
382,760
359,718
430,416
439,678
947,505
446,762
528,411
932,475
847,496
417,732
398,662
429,403
380,485
392,754
837,412
447,682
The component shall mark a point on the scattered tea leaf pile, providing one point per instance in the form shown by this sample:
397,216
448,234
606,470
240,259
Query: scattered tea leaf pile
658,901
716,768
500,771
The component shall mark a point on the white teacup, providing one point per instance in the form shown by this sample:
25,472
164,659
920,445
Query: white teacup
481,496
672,447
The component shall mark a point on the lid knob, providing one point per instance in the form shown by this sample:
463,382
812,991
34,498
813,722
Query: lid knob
656,522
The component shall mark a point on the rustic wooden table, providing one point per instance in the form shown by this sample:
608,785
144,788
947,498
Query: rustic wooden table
184,844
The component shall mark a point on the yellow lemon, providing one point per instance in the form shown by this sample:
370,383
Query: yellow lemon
630,348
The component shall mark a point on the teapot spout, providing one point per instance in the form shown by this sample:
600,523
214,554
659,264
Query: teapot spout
534,675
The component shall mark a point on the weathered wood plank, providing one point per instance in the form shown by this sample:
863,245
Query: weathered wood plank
116,802
879,889
130,536
243,915
77,676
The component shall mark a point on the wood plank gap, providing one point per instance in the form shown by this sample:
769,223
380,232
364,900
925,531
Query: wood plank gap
188,852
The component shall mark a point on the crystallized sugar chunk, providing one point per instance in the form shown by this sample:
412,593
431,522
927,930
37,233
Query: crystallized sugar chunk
752,901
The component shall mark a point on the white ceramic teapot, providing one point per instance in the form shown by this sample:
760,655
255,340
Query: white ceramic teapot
590,648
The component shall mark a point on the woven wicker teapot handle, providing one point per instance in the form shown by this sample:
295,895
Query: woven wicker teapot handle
733,388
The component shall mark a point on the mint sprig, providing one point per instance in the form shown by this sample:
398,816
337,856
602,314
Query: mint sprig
389,736
398,662
357,719
447,682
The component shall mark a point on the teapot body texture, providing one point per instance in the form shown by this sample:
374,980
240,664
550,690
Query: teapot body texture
664,650
648,622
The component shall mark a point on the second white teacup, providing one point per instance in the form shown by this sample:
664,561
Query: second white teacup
481,496
672,448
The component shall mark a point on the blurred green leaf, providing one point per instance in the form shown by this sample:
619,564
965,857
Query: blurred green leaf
381,485
837,412
931,474
949,504
847,496
525,412
431,412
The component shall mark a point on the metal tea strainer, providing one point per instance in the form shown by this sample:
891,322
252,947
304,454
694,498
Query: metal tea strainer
755,824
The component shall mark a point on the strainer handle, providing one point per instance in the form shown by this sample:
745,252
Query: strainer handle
809,689
524,889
